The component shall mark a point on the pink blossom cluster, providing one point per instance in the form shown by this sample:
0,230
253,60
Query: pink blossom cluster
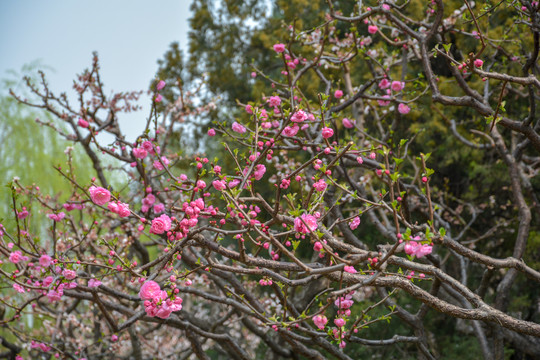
157,302
418,249
73,206
120,208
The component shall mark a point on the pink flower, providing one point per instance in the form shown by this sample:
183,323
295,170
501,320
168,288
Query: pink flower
82,123
159,166
372,29
309,220
403,109
159,208
114,337
99,195
219,185
23,214
249,109
320,185
211,132
123,209
159,98
45,260
54,295
201,184
478,63
69,274
354,223
259,171
148,146
44,347
93,283
16,256
327,132
57,217
149,290
161,224
140,153
238,128
340,322
18,288
344,302
290,131
397,85
349,269
384,84
384,102
320,321
338,94
417,249
279,48
299,116
233,183
347,123
274,101
160,85
48,281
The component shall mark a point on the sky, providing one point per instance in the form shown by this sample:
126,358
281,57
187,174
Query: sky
129,36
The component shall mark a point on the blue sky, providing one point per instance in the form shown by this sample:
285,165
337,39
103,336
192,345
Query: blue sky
129,36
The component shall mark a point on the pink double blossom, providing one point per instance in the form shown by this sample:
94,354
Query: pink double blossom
157,164
354,223
120,208
279,48
309,220
140,153
238,128
219,185
327,132
320,321
384,84
99,195
403,109
274,101
149,290
45,260
161,224
291,131
17,256
347,123
299,116
260,169
397,86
